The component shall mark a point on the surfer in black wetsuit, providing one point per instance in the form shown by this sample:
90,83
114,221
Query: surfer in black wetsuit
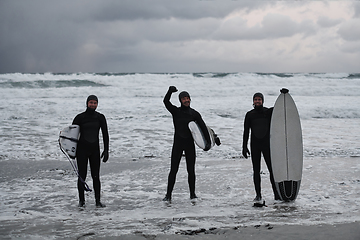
88,148
183,140
258,120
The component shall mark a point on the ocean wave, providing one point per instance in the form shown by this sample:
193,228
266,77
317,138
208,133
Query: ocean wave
211,75
280,75
217,84
115,74
354,76
50,84
79,75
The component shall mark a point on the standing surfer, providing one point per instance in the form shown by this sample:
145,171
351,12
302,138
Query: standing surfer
258,120
183,140
88,148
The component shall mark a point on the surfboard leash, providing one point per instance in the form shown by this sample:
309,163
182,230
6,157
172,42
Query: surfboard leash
86,187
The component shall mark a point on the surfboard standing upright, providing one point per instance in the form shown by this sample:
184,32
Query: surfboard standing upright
286,147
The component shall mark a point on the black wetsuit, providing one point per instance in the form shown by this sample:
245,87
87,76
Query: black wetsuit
183,142
88,148
258,120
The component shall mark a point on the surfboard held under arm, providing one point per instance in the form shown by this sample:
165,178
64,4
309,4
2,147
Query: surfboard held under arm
69,138
198,135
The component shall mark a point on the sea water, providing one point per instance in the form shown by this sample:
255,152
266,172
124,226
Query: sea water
38,188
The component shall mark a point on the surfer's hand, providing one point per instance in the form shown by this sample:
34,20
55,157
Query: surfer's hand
172,89
245,152
105,156
284,90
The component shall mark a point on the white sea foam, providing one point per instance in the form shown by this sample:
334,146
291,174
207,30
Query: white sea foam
33,113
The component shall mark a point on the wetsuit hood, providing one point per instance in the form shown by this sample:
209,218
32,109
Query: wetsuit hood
91,97
260,95
183,94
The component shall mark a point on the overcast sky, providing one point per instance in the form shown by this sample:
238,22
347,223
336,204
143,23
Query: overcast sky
179,36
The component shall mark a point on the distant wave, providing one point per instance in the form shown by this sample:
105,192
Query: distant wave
212,75
115,74
281,75
354,76
50,84
62,80
195,74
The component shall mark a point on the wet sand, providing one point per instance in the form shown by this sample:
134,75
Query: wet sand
39,201
347,231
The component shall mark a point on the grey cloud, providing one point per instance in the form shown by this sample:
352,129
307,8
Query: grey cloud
275,26
350,30
164,9
350,47
328,22
49,34
168,30
357,9
272,26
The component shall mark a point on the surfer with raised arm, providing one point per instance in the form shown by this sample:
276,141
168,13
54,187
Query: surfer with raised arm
88,148
183,140
258,120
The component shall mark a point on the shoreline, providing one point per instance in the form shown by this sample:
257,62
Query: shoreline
340,231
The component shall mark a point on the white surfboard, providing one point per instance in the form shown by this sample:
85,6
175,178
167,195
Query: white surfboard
286,147
198,135
68,139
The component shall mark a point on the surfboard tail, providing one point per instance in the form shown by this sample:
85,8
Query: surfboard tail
288,190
